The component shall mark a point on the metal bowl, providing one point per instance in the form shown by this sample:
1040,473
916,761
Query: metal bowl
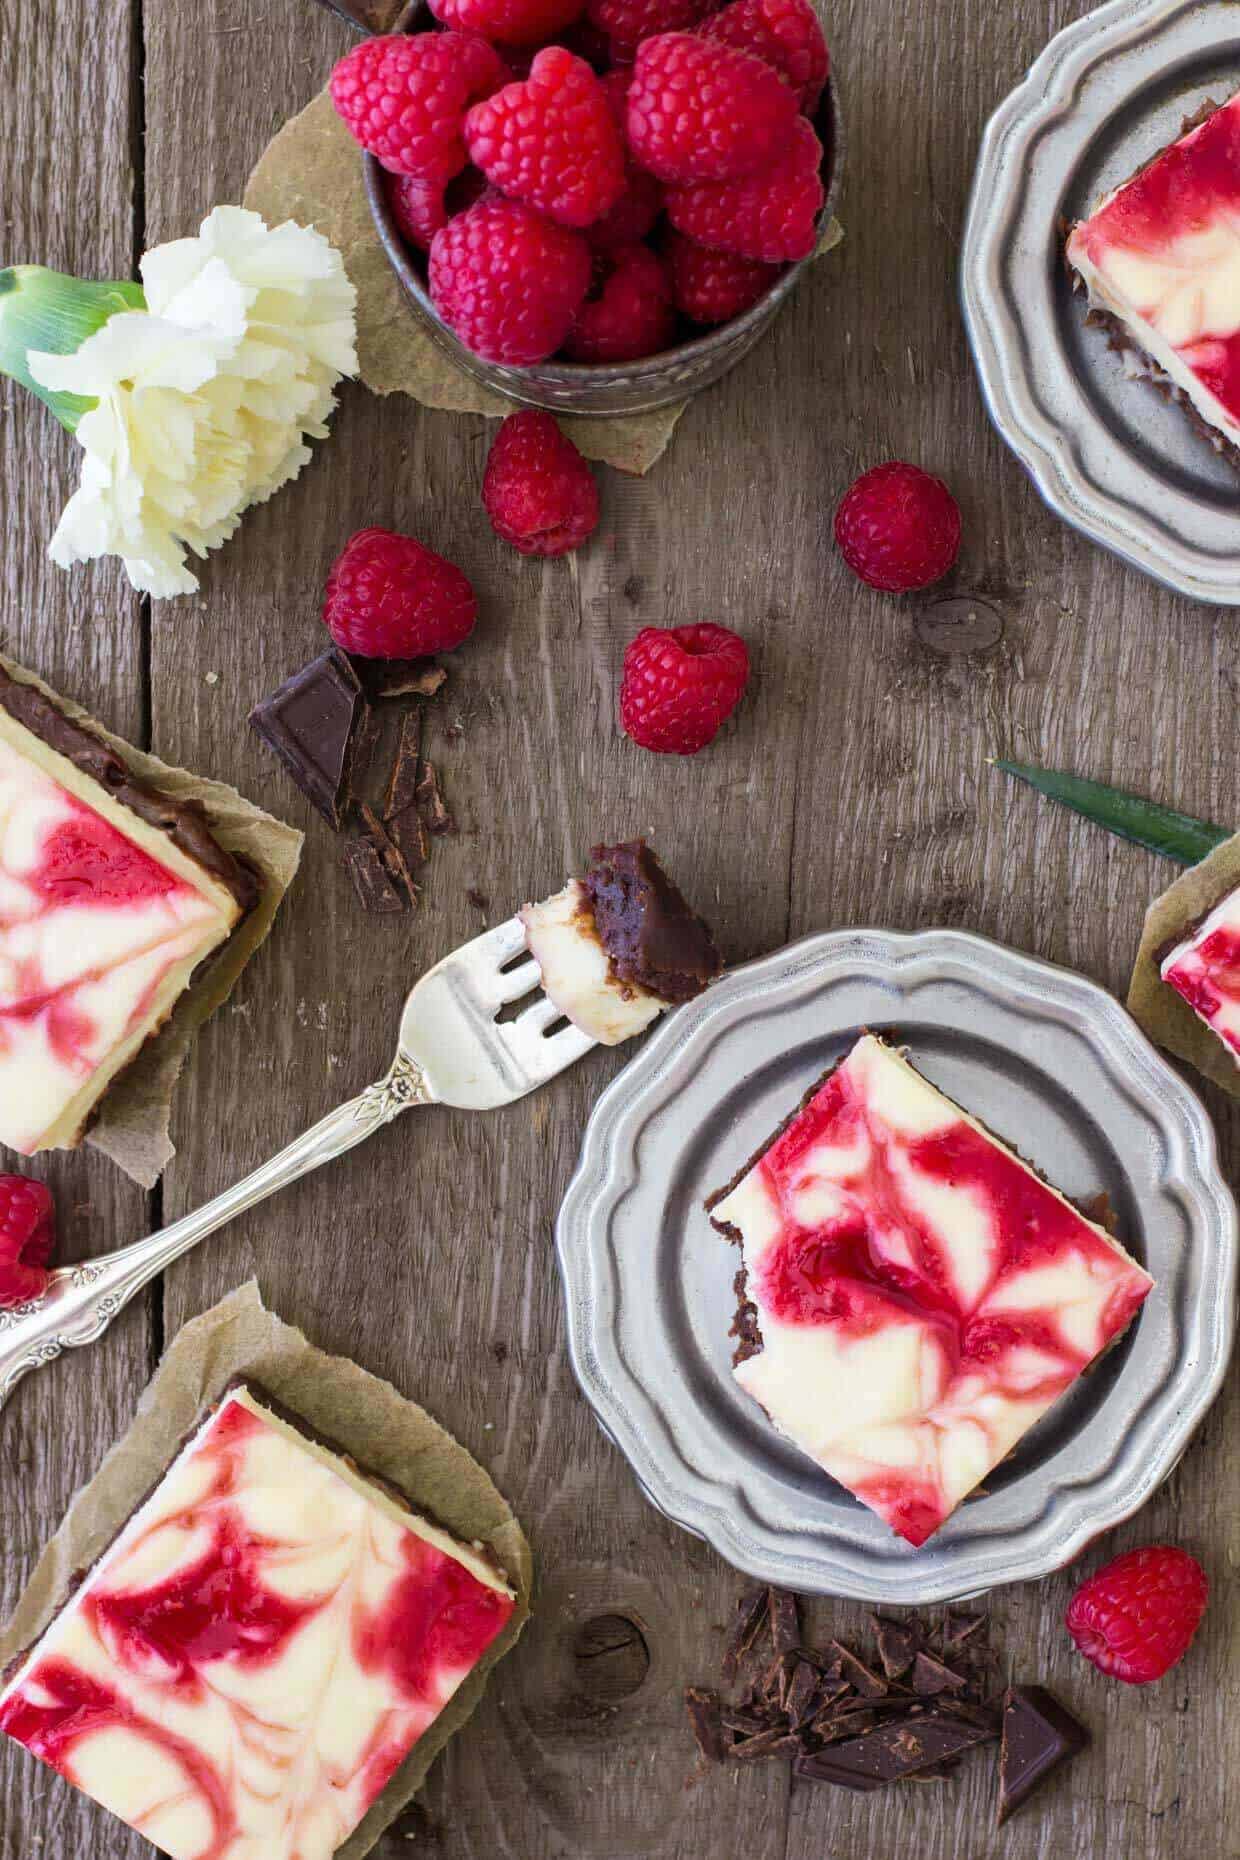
613,388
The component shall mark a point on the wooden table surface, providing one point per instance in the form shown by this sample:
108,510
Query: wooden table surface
852,788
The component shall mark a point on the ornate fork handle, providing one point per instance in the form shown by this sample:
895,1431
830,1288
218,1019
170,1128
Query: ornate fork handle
81,1301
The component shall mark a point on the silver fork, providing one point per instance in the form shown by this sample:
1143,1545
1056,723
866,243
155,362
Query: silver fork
451,1050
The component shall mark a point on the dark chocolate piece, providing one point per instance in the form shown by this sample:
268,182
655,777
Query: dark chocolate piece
652,938
431,801
402,788
371,881
776,1742
310,723
867,1682
184,822
408,833
785,1621
931,1676
751,1612
1038,1735
393,678
962,1626
744,1723
704,1717
897,1643
803,1694
891,1751
389,852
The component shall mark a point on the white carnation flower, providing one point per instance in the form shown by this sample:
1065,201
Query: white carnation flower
204,401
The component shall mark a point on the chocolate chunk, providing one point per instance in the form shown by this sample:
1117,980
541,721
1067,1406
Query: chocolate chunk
393,678
1038,1735
930,1677
897,1644
891,1751
773,1743
868,1683
651,936
961,1626
431,801
389,852
802,1694
704,1717
751,1612
745,1723
402,788
409,835
829,1728
310,723
785,1621
371,882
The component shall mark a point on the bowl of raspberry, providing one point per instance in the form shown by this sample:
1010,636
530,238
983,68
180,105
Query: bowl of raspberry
597,206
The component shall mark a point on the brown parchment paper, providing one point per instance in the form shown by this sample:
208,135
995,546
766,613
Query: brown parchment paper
379,1427
1163,1014
133,1122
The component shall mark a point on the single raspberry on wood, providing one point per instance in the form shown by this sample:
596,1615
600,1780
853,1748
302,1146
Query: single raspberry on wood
628,313
898,528
700,111
771,216
508,280
551,141
420,207
1136,1618
786,33
713,287
538,490
27,1231
511,22
680,684
404,97
628,22
389,597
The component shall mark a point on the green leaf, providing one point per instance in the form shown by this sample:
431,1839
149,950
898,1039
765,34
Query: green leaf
41,309
1161,829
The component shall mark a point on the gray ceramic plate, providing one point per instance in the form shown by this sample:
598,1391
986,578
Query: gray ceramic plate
1104,451
1048,1060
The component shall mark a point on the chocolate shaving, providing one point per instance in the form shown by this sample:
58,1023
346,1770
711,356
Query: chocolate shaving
705,1719
431,801
802,1694
751,1612
371,882
931,1676
402,788
785,1621
409,835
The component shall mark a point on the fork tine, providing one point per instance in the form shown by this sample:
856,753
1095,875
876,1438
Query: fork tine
517,982
568,1045
539,1015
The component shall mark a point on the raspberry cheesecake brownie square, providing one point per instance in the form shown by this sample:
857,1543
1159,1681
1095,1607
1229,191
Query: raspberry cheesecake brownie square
111,896
913,1297
259,1648
1160,260
1202,964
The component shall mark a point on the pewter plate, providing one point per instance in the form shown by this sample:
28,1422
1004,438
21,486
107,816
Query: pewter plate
1048,1060
1106,452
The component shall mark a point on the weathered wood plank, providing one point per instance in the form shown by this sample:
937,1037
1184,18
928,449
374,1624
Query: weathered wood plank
67,183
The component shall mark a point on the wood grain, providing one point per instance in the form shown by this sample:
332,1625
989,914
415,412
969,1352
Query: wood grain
852,787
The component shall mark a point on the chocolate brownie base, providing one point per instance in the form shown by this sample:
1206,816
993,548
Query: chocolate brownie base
652,938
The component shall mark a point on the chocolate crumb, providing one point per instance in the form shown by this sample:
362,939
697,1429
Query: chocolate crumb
430,799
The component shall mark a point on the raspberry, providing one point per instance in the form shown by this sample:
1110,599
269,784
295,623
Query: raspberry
711,287
770,216
1135,1619
538,490
898,528
389,598
512,22
27,1220
786,33
680,684
629,314
550,140
705,112
420,208
403,98
508,281
641,203
628,22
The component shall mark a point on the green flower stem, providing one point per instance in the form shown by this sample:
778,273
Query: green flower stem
1161,829
41,309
